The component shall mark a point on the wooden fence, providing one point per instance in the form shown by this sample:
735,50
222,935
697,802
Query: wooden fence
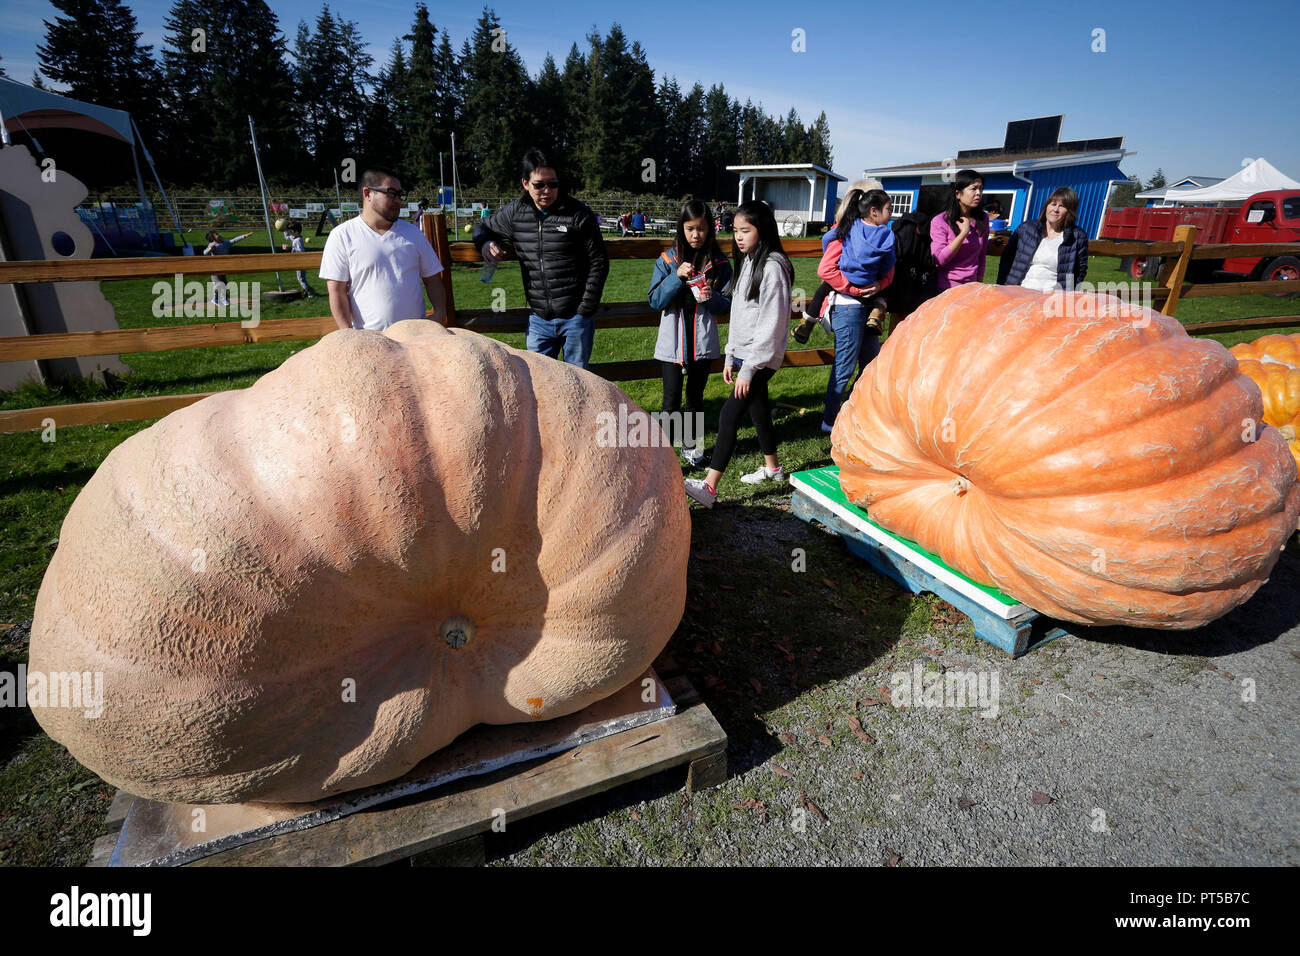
1171,288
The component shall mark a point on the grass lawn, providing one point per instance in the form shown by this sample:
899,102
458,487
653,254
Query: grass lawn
49,805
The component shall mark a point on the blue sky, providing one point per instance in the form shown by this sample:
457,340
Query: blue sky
1194,87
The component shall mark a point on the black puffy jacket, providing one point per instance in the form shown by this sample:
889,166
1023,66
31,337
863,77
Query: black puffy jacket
561,255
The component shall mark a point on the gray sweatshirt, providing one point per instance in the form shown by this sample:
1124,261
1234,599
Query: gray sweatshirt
759,328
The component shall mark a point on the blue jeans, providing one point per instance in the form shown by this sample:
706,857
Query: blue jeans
574,334
854,347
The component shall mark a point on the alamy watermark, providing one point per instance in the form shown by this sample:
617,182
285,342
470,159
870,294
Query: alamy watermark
952,689
1126,300
640,429
208,300
80,690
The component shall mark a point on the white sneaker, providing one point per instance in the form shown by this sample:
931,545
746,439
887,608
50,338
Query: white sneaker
699,491
764,474
693,457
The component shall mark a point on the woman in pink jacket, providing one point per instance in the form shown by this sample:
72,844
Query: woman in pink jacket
959,236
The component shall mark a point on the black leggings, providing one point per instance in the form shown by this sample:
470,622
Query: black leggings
760,412
696,374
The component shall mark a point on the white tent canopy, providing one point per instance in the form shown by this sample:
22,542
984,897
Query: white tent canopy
1260,176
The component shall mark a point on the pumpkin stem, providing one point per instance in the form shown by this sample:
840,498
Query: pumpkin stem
1288,432
457,631
960,485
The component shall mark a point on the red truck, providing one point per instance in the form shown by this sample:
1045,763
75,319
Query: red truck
1264,217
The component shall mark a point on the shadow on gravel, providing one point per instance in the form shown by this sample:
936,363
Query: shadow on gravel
1272,611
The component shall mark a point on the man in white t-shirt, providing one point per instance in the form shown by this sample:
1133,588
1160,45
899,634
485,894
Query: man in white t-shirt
378,267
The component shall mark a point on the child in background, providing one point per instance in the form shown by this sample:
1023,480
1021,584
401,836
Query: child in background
867,256
688,331
220,247
760,325
293,232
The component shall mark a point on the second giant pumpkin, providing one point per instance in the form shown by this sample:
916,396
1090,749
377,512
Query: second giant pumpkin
1100,466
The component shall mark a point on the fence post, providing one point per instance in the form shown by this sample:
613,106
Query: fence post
435,228
1174,273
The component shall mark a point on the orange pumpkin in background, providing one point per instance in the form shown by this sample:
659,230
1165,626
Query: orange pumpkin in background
1282,349
1102,468
1273,363
309,585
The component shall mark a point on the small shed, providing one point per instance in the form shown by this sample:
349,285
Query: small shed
801,194
1020,174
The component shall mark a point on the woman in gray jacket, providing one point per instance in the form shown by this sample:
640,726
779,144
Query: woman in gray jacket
760,327
689,285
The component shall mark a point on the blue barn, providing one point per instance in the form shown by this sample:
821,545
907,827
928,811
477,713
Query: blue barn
1020,174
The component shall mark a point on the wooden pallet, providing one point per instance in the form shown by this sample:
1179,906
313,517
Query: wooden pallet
446,825
998,619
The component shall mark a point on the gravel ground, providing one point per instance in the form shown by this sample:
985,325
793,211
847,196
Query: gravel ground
1117,747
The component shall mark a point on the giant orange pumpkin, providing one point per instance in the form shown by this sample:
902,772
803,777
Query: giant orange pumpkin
307,586
1101,468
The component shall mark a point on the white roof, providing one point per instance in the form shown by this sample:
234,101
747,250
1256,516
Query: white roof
787,167
1260,176
1187,182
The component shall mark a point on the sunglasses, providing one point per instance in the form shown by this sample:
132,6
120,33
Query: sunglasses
390,191
550,184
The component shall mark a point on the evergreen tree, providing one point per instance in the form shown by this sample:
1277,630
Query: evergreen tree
1157,180
798,145
497,123
719,146
234,70
423,101
384,134
567,125
677,174
550,101
451,101
820,140
692,115
618,128
95,51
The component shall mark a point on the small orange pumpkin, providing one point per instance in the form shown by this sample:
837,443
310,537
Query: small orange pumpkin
309,585
1100,468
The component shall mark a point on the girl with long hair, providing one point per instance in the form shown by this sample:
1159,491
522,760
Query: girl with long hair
760,326
689,287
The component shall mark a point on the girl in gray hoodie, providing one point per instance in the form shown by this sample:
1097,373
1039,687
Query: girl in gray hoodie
760,327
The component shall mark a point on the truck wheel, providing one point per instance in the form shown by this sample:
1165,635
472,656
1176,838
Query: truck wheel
1144,267
1283,269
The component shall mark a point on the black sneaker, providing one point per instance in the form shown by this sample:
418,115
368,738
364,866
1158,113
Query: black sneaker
803,331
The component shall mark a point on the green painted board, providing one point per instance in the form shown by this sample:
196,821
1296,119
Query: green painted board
827,482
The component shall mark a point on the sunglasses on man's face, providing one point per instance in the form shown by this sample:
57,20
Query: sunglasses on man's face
390,191
549,184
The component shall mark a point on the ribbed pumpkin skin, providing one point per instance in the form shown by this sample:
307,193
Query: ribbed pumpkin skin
1282,349
346,506
1281,387
1094,470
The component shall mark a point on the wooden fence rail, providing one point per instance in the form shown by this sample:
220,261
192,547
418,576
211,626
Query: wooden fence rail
1170,290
